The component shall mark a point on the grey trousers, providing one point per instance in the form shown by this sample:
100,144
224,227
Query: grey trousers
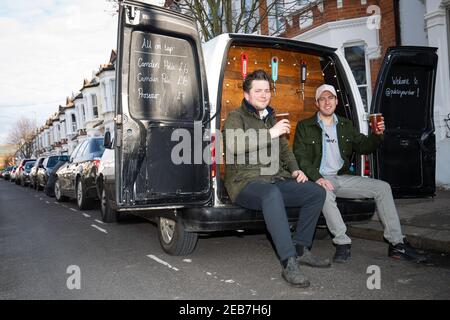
347,186
272,198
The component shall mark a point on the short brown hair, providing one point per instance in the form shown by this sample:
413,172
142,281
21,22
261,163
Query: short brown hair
255,75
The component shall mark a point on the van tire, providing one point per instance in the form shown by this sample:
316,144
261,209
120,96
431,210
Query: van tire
108,214
174,239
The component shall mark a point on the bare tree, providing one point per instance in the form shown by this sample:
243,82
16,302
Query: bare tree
215,17
22,135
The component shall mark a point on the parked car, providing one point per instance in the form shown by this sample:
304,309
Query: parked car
12,174
25,177
188,197
76,179
20,169
44,170
49,188
7,173
34,170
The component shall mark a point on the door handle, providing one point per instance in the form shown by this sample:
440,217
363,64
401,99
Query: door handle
404,143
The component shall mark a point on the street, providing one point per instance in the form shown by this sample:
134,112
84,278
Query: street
46,245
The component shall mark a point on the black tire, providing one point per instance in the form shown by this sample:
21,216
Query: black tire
82,201
174,239
108,214
59,197
37,186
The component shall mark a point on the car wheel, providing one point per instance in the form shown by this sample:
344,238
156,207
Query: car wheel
37,186
82,201
58,195
174,239
108,214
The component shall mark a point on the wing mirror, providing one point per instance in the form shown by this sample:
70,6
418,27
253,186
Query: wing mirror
107,140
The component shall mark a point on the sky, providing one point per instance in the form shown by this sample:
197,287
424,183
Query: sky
47,48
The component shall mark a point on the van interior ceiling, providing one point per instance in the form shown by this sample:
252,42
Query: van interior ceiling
291,95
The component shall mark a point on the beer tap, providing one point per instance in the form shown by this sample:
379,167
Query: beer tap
244,65
274,65
303,75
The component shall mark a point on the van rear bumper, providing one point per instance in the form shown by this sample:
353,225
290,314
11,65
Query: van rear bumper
205,219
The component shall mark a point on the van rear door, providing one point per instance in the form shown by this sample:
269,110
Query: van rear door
162,110
405,96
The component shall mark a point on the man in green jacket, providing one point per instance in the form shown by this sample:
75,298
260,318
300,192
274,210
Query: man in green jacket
323,145
262,174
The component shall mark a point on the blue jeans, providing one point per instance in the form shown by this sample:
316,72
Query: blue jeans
272,198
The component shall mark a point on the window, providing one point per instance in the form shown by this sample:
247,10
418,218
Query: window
74,122
112,87
83,115
105,96
356,58
94,106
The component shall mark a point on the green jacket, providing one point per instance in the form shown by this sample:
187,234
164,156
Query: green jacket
246,157
308,145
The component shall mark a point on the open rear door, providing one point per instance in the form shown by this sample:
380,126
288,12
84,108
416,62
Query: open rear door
405,96
162,110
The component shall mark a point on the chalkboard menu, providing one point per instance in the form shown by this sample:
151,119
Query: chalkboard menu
163,82
405,98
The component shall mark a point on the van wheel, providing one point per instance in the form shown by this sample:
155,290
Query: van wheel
174,239
321,234
82,201
58,195
108,214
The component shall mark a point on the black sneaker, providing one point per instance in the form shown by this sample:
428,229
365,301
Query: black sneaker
292,274
343,253
404,251
308,259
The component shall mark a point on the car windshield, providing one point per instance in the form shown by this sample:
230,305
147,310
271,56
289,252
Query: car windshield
29,165
97,146
52,161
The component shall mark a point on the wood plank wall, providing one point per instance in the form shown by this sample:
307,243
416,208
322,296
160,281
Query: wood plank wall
288,97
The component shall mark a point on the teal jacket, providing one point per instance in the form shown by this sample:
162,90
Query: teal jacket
308,145
237,144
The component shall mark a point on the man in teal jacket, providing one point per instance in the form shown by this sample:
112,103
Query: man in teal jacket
323,146
258,182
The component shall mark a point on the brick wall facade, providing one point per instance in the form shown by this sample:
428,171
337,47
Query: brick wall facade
353,9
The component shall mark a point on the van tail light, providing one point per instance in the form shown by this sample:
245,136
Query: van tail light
213,155
97,163
367,172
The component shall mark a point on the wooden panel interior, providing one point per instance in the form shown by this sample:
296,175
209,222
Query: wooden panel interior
287,97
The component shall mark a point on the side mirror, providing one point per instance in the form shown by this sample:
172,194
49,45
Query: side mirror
107,140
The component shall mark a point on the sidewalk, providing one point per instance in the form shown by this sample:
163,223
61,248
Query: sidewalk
425,222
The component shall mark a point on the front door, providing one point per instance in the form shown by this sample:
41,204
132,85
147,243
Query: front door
162,123
405,95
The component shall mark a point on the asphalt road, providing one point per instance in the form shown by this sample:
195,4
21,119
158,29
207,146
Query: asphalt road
45,245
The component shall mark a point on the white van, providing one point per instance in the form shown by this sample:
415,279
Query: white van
167,84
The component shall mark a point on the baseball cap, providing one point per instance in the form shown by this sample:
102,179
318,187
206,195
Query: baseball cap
325,87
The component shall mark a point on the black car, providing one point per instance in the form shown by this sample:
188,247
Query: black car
76,178
45,168
49,188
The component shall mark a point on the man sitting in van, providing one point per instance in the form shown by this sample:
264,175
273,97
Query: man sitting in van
251,134
323,145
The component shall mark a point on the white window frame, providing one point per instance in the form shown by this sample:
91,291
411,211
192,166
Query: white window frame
368,84
94,106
